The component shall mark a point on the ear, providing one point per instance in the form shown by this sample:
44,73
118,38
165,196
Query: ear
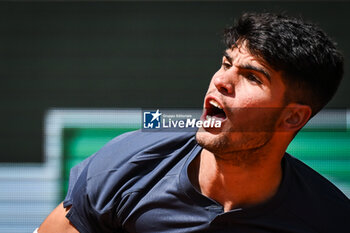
295,116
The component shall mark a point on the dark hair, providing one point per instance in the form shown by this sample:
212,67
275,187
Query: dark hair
311,66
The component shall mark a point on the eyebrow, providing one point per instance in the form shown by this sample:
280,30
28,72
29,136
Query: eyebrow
250,67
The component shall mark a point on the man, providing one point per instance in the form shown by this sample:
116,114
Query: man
277,72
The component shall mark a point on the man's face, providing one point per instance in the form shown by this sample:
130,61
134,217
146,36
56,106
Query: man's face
246,95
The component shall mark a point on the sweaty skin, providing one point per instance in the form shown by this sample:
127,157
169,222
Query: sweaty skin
57,222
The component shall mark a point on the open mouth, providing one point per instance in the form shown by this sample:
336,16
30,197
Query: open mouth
214,110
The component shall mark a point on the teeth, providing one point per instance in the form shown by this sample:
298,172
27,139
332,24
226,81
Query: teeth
214,103
208,117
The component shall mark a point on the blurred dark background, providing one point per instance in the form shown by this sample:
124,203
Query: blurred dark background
122,55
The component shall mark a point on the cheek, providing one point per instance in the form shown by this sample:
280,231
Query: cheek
278,94
254,96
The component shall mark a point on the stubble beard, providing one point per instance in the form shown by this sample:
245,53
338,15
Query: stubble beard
243,152
239,147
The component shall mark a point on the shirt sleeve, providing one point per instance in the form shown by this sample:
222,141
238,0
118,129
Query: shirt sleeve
90,211
104,189
73,177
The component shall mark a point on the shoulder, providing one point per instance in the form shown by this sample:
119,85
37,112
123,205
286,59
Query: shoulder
315,199
143,139
111,180
140,144
315,182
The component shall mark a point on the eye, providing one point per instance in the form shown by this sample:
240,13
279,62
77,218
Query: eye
253,78
226,65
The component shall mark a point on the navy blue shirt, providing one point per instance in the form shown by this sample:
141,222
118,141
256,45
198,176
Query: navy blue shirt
138,182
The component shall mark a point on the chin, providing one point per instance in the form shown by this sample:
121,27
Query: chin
229,142
214,142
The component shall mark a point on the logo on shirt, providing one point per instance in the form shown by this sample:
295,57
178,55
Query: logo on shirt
151,120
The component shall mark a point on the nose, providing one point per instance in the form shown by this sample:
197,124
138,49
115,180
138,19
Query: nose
223,84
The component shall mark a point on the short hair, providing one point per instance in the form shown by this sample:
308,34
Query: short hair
311,65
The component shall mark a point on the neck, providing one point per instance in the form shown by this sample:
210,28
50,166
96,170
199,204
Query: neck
236,184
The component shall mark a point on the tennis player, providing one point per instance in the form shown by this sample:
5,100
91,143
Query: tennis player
277,72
